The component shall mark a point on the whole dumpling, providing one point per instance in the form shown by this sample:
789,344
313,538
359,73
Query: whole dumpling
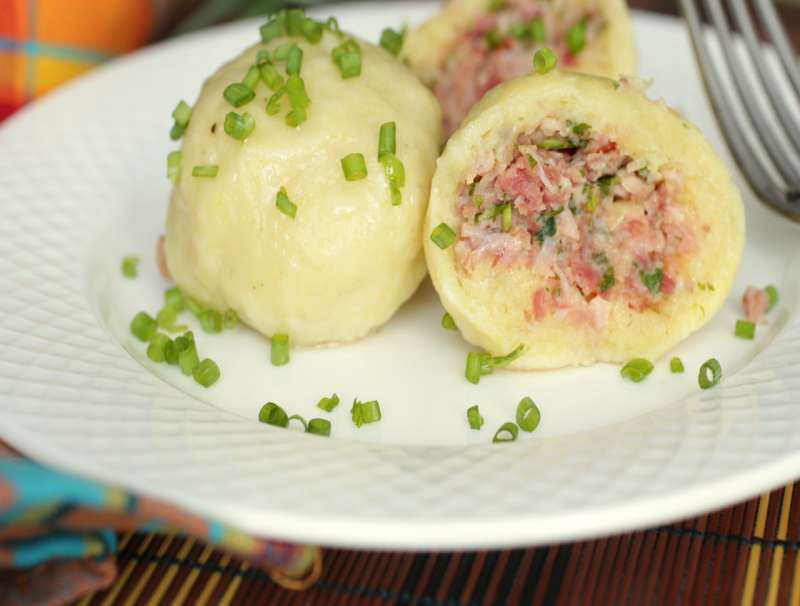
349,258
473,45
574,216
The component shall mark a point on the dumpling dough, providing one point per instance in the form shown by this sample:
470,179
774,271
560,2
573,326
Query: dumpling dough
623,234
453,53
349,259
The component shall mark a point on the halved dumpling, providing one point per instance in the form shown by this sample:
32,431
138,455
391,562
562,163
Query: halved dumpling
474,45
575,216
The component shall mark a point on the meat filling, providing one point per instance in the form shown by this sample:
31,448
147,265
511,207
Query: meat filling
599,224
501,44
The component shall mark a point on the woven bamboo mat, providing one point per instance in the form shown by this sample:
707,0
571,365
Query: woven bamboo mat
743,555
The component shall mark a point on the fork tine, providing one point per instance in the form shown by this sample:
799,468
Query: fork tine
768,16
751,166
776,97
784,158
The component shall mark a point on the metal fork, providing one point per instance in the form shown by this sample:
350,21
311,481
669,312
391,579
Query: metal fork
773,174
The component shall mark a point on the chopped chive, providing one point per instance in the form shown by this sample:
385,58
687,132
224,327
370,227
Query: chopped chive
328,404
536,31
173,298
194,306
296,89
237,94
182,114
284,204
279,354
187,353
606,182
166,319
206,373
301,419
143,326
205,170
272,414
532,161
581,128
576,37
528,415
653,280
508,432
156,350
474,365
251,78
294,61
507,217
676,365
710,374
271,30
772,293
394,169
319,427
312,30
281,53
263,57
387,139
493,362
230,319
274,103
637,370
295,18
365,412
448,323
176,132
347,57
174,166
130,266
443,236
745,330
474,417
171,353
271,77
608,279
354,167
593,201
520,31
556,143
395,195
544,60
211,321
239,126
392,41
332,25
296,117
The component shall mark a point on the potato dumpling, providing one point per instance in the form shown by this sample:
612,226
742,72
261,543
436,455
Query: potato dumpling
573,215
473,45
275,230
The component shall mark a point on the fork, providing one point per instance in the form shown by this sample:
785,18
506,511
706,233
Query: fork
774,174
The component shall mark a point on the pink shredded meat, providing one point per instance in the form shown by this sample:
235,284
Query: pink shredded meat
755,303
500,46
570,204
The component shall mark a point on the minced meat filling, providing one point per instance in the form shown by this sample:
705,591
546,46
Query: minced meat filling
574,207
501,45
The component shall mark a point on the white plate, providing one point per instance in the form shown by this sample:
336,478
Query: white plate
82,184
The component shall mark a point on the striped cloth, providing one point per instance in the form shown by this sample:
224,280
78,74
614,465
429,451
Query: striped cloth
44,43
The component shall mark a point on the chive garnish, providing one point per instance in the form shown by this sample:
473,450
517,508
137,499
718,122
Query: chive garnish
365,412
302,421
653,280
284,204
295,18
528,415
745,330
347,57
676,365
448,323
328,404
474,417
544,60
507,433
271,30
576,37
208,171
294,61
710,374
387,139
143,326
237,94
507,217
187,353
174,166
480,364
263,57
312,31
354,167
174,299
130,266
319,427
392,41
273,414
239,126
271,77
251,78
772,293
182,114
536,31
206,373
556,143
156,349
274,102
279,353
230,319
637,370
211,321
443,236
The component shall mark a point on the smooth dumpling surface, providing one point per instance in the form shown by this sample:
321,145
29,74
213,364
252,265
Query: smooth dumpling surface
473,45
589,223
349,258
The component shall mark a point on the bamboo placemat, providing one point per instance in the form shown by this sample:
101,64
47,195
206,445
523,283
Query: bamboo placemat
743,555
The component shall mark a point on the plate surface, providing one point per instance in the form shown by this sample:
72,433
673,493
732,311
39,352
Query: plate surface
82,184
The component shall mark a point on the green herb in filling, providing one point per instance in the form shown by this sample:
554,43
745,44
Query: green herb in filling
653,280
